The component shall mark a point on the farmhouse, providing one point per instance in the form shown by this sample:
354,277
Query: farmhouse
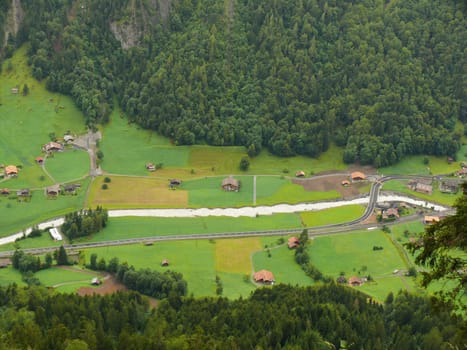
23,193
462,172
390,213
357,176
355,281
70,189
165,262
53,191
52,146
56,236
300,173
264,276
431,219
230,184
421,187
150,166
293,242
11,171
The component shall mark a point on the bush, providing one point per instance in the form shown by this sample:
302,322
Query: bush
244,164
107,179
105,186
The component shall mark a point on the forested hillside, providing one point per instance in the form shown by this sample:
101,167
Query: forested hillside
383,79
281,317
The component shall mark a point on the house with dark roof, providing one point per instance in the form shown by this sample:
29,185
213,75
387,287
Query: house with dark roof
165,262
53,191
264,276
230,184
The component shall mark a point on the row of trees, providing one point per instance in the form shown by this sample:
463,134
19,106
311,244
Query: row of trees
381,81
146,281
84,222
280,317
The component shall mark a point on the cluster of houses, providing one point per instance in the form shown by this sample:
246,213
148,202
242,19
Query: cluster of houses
463,170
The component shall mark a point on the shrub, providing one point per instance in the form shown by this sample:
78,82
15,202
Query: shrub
105,186
107,179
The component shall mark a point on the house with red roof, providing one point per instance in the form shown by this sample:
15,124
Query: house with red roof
264,276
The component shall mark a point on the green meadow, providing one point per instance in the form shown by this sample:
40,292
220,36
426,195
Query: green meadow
26,122
9,275
332,215
56,276
415,165
16,216
136,227
353,255
68,166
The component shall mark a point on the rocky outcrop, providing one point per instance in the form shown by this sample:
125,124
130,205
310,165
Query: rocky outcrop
14,19
138,20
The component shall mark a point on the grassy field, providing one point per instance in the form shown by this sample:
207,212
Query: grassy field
9,275
136,192
437,196
414,165
281,263
15,216
56,276
353,255
332,215
134,227
27,121
68,166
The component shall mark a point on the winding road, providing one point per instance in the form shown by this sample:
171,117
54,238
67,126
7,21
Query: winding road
312,231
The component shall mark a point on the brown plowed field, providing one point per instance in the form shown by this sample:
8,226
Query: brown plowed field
109,285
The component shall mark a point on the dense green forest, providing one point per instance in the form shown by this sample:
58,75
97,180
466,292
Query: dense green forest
383,79
282,317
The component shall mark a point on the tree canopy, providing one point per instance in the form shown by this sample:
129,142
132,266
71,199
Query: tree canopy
442,249
382,79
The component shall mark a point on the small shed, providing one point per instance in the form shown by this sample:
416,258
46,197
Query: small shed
345,183
40,160
429,219
4,191
68,138
300,173
293,242
14,90
230,184
23,192
175,182
165,262
150,166
96,281
264,276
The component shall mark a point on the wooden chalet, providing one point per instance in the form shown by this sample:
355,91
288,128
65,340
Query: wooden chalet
11,171
293,242
345,183
264,276
300,173
423,188
355,281
4,191
53,191
357,176
230,184
165,262
23,193
52,146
